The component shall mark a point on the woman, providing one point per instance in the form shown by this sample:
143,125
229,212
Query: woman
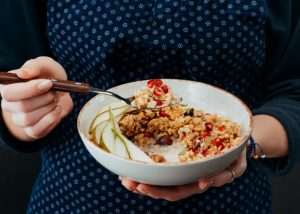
107,43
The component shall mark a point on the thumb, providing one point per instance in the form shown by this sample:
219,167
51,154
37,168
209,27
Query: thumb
42,67
26,73
29,70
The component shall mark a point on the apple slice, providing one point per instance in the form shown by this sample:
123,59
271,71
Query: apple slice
104,116
98,133
108,137
120,148
113,105
134,152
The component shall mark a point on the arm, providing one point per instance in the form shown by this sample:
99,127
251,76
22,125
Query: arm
24,38
282,88
271,135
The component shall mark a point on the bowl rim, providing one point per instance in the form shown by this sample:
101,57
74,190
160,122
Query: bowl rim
168,164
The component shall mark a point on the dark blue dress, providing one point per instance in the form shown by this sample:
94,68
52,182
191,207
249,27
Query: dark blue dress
106,43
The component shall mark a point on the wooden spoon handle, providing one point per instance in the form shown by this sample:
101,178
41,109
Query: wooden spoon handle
57,85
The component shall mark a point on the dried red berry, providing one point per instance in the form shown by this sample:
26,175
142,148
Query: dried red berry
217,141
147,134
222,128
159,103
164,140
204,134
209,126
162,113
205,153
195,151
165,88
221,147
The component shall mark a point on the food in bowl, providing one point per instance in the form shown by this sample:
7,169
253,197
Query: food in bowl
156,94
178,133
170,134
196,95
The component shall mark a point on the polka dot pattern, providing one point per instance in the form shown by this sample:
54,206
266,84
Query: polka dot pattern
107,43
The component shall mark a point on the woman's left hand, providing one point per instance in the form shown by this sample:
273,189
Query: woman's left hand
175,193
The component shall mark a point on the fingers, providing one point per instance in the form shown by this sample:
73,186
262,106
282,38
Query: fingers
29,105
175,193
226,176
29,119
43,126
172,193
21,91
29,108
129,184
51,119
30,125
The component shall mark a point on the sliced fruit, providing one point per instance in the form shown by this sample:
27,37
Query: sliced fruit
104,116
165,88
108,137
98,133
157,92
120,148
113,105
135,153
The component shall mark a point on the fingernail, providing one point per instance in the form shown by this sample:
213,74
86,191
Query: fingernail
120,178
57,109
56,100
25,71
203,185
44,85
140,189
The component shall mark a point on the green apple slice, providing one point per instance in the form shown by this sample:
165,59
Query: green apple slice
98,133
104,116
108,137
113,105
134,152
120,148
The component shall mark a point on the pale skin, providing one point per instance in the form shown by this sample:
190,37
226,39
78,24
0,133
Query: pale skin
31,111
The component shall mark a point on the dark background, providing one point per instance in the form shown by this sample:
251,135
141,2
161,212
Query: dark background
18,172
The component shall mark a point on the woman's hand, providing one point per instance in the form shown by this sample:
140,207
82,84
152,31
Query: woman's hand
176,193
29,109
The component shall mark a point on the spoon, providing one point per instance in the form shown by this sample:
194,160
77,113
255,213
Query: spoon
75,87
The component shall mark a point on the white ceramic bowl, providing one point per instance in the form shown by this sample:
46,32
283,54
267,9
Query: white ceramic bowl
195,94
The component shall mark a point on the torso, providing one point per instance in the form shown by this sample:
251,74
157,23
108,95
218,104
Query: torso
105,43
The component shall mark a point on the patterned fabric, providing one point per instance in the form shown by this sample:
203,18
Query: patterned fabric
106,43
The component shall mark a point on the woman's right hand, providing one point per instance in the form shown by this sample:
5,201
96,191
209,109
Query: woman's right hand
30,110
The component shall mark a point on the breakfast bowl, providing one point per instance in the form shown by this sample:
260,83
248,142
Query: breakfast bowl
196,95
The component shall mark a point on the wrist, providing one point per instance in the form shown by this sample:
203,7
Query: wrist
254,149
270,135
